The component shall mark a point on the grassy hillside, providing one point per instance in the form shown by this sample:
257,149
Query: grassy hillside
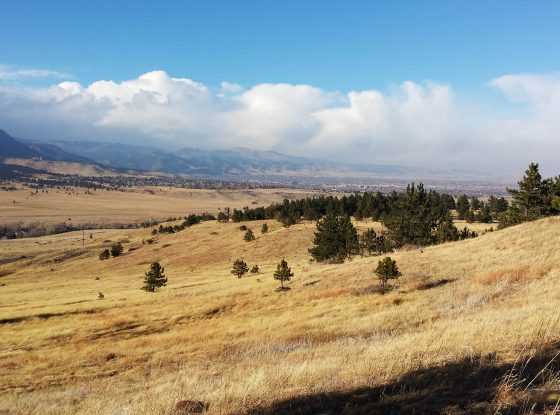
472,328
136,204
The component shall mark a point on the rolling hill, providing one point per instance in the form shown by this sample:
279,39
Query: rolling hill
472,327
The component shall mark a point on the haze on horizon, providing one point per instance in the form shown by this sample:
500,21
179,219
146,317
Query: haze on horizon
447,85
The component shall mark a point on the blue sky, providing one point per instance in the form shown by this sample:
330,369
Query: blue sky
423,83
333,45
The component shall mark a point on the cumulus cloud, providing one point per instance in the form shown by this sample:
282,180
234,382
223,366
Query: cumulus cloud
412,123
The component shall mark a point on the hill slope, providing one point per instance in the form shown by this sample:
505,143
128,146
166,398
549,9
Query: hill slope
468,319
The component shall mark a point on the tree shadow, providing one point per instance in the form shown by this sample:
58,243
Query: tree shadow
467,386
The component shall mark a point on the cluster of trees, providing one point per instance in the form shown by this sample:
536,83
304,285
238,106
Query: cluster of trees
534,198
283,272
475,210
116,250
189,221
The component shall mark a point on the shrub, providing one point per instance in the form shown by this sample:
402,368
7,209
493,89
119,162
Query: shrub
387,270
243,228
154,278
255,269
116,249
105,254
239,268
264,228
249,236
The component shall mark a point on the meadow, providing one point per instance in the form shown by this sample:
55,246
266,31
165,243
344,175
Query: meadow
472,327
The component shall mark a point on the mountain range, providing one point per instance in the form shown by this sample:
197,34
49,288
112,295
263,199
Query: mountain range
241,162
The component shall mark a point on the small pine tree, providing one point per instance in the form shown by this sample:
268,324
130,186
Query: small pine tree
387,270
117,249
462,206
249,236
239,268
283,273
105,254
255,269
154,278
264,228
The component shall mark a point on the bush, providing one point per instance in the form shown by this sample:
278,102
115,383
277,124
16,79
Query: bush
249,236
264,228
105,254
243,228
387,270
255,269
116,249
239,268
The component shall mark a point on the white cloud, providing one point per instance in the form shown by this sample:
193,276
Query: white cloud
9,73
413,123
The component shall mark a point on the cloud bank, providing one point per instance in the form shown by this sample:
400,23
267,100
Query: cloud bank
423,124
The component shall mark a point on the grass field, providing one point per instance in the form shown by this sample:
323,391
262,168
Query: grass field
471,328
136,204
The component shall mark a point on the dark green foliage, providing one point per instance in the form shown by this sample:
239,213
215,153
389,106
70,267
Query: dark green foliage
485,214
239,268
475,203
154,278
243,228
255,269
463,206
283,273
335,238
530,197
446,231
264,228
222,217
105,254
387,270
116,249
249,236
415,216
467,234
373,244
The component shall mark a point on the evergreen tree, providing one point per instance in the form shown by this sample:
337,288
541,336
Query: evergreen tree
387,270
239,268
249,236
283,273
447,231
154,278
529,198
368,242
335,238
475,203
105,254
485,214
255,269
116,249
264,228
463,206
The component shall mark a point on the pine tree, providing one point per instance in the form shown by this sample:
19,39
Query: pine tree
529,198
239,268
154,278
368,241
283,273
105,254
117,249
335,238
447,231
462,206
255,269
387,270
249,236
264,228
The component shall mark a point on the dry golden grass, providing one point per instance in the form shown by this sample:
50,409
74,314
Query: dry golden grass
135,204
461,309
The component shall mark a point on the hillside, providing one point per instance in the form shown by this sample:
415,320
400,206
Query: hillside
472,328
